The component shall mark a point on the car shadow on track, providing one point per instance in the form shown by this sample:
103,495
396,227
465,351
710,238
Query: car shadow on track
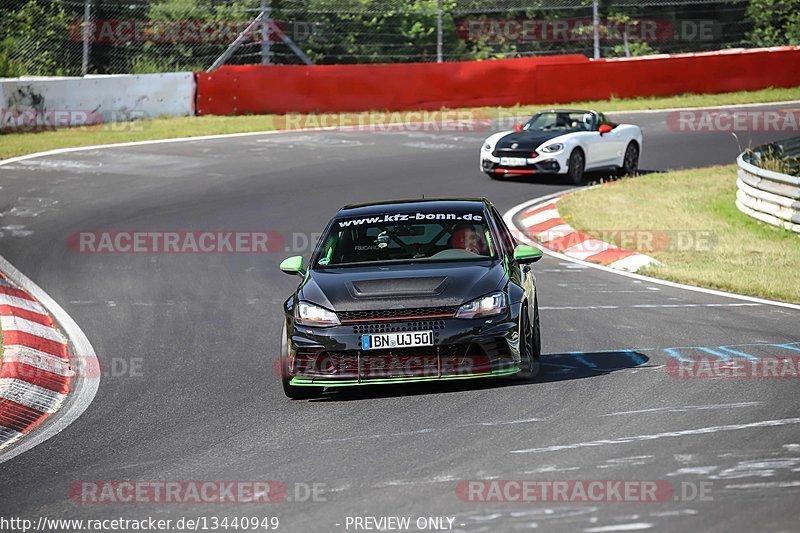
554,367
590,178
578,365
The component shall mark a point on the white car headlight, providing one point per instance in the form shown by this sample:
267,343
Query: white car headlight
491,304
312,315
487,147
552,148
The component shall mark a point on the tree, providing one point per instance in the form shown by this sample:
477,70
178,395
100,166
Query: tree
776,22
37,40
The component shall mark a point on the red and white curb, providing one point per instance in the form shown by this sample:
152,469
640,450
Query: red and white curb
35,372
512,216
543,224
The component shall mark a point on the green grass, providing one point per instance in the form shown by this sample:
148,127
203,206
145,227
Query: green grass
14,144
722,248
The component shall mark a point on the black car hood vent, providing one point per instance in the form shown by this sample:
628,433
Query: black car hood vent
423,286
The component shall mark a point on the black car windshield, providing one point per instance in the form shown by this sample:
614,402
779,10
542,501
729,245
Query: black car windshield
561,121
406,237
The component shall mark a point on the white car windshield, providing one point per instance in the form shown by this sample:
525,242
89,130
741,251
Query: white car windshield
561,121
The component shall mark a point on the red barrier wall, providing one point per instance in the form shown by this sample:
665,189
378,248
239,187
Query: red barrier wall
330,88
542,80
715,72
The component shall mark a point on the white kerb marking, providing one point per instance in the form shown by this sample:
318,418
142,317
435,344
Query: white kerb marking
32,396
541,216
13,323
22,303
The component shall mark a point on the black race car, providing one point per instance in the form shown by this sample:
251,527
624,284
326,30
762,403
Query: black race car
408,291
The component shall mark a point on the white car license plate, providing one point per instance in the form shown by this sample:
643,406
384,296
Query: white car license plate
513,161
404,339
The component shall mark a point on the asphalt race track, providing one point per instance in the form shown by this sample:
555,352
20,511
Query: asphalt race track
202,330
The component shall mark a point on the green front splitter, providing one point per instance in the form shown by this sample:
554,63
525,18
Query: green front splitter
325,382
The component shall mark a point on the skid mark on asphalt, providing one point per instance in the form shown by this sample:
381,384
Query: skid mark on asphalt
640,306
679,512
634,526
761,467
28,207
407,482
54,164
14,230
694,470
686,408
745,471
422,145
551,468
313,141
665,435
380,435
501,423
618,462
646,290
765,485
441,137
431,430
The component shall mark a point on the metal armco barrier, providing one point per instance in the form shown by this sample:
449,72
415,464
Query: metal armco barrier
769,196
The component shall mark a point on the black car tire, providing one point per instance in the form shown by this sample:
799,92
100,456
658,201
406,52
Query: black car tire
530,345
630,163
577,164
291,391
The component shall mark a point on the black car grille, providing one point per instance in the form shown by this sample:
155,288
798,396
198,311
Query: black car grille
513,153
385,315
392,327
495,347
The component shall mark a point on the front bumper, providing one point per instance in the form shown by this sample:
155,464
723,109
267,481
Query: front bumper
463,349
539,165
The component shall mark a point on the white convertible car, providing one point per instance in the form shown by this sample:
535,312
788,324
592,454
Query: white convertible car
563,141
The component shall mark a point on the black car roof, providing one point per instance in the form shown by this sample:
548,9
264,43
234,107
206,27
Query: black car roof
409,206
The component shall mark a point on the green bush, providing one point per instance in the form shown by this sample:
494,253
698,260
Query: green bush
776,22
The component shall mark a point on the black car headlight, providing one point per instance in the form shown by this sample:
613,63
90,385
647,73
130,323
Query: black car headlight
487,147
552,148
491,304
312,315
